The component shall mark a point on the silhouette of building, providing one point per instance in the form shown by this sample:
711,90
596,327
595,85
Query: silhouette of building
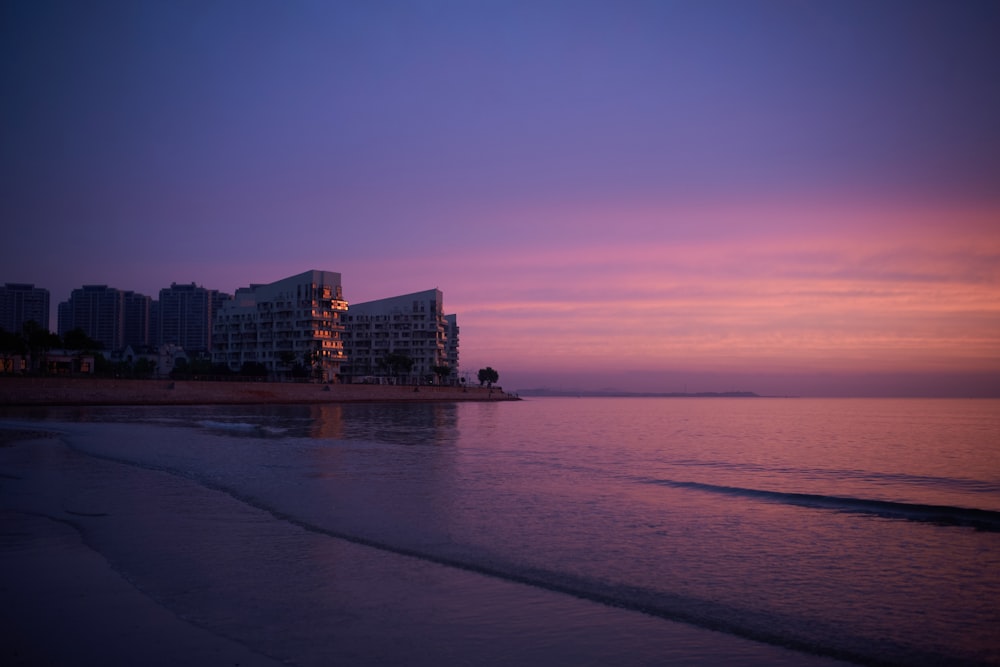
413,325
184,315
113,317
135,319
22,302
293,321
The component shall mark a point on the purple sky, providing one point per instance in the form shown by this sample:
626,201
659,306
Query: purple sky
788,197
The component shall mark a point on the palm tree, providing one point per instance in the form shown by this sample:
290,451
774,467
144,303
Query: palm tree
39,341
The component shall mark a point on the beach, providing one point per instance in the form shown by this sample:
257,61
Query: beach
102,563
549,531
63,602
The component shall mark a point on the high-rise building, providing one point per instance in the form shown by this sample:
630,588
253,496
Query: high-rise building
22,302
184,316
294,321
135,319
411,325
113,317
97,310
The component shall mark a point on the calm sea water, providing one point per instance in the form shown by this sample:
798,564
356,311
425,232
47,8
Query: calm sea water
572,530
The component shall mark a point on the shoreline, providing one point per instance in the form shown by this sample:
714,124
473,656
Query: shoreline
129,564
39,391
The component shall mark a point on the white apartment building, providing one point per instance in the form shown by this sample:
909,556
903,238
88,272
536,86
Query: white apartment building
413,325
297,320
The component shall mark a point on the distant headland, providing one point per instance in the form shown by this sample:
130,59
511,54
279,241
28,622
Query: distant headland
612,393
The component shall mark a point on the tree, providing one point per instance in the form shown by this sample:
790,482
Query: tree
143,368
253,369
311,362
397,364
196,366
181,368
286,359
77,339
488,376
39,340
11,345
442,372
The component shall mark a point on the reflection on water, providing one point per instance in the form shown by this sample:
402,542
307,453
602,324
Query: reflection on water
837,527
399,423
395,423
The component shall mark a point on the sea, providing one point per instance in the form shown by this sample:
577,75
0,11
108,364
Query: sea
552,530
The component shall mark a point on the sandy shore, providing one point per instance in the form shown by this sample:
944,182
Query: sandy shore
63,603
107,562
9,436
87,391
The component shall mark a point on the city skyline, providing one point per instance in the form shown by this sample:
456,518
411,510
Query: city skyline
781,197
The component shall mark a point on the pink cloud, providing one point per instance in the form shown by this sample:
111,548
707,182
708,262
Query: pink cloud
861,300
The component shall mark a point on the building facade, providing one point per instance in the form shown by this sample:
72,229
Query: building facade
184,316
98,311
135,319
297,321
411,325
22,302
451,344
113,317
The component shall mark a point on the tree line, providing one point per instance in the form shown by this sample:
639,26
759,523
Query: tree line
34,343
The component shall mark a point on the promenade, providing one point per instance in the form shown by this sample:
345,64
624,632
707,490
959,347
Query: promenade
100,391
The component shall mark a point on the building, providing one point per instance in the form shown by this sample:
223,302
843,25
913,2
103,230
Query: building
135,319
113,317
52,362
294,322
411,325
184,315
451,343
97,310
20,303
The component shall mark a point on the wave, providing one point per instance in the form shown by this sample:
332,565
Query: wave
959,483
240,427
227,426
945,515
773,627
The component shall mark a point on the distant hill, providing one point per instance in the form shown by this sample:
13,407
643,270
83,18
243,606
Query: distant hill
637,394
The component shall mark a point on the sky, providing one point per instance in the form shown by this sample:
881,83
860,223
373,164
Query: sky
788,197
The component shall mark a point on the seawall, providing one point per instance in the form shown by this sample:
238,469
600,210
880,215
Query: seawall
94,391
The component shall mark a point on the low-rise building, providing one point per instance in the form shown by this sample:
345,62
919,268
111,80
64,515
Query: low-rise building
50,362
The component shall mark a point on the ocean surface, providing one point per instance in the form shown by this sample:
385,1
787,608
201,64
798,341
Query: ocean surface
583,531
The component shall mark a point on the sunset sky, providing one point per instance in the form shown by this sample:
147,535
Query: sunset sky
796,197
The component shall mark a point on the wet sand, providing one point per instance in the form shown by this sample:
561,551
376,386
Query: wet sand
104,562
63,603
